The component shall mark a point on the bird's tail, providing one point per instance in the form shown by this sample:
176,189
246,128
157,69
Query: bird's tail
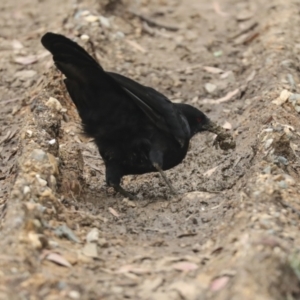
71,59
86,81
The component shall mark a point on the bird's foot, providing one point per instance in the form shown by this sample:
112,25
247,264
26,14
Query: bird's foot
165,178
123,192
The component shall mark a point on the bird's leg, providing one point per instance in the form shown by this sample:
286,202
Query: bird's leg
123,192
156,158
113,179
165,178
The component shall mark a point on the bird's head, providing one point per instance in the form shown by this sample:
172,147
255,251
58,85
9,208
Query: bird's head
197,120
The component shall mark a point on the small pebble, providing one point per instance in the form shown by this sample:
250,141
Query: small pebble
282,184
289,180
84,37
90,250
29,133
267,170
210,88
282,160
119,35
268,130
61,285
218,53
52,182
91,18
74,295
26,190
294,98
92,236
129,203
104,21
54,104
284,96
65,231
52,142
38,155
41,181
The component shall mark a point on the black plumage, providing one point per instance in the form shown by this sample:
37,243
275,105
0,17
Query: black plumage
136,129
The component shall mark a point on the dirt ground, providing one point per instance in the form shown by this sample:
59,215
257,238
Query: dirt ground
232,232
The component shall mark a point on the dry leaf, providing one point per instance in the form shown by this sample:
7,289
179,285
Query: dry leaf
227,125
136,46
30,59
185,266
251,76
26,60
219,283
209,172
218,10
114,212
17,45
225,74
213,70
220,100
58,259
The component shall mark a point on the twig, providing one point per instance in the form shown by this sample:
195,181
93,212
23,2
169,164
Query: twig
91,156
245,30
186,234
9,100
136,46
154,23
237,162
217,206
194,67
221,100
155,230
148,29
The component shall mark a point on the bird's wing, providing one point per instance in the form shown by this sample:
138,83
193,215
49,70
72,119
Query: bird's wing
158,108
82,70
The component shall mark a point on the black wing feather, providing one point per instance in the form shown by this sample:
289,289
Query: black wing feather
80,68
159,109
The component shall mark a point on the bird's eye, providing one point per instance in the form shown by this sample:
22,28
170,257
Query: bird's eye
199,120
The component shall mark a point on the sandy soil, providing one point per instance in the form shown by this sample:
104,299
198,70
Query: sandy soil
231,233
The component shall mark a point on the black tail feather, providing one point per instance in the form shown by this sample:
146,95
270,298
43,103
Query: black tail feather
71,59
58,44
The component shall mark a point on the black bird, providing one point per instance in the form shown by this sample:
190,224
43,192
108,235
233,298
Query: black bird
136,129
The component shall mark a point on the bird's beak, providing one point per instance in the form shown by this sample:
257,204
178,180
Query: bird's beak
211,127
